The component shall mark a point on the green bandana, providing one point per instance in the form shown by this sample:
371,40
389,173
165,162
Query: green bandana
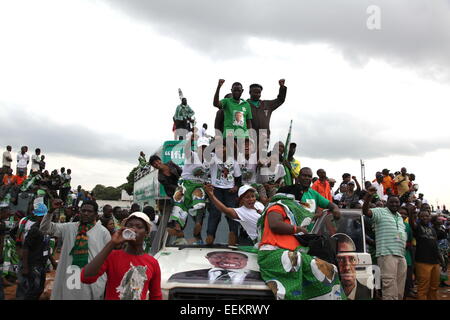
80,250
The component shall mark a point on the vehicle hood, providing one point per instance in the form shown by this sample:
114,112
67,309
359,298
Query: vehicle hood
189,267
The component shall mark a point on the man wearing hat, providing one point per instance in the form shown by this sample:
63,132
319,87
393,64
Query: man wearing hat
35,254
132,273
248,211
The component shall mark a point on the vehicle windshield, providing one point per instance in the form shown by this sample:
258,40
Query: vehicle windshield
221,239
349,224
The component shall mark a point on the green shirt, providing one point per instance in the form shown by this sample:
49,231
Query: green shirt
236,115
183,112
390,232
409,239
314,199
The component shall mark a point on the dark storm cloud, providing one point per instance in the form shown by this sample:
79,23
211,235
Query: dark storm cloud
74,140
414,33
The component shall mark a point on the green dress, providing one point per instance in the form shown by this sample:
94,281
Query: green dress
296,275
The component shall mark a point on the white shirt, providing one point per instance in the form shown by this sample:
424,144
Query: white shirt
6,163
192,165
22,160
268,176
380,189
223,174
248,169
248,218
35,166
237,276
203,132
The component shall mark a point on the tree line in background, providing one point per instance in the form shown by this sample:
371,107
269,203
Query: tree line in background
102,192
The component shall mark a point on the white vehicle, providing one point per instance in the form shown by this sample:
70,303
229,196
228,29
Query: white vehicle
188,270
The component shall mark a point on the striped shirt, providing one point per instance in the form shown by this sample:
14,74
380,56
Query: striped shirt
390,232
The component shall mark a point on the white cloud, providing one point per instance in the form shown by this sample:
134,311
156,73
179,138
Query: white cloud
88,66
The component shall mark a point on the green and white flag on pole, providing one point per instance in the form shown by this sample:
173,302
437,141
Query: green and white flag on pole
287,169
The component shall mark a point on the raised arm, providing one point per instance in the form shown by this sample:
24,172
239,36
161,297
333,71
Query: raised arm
216,101
93,267
367,200
274,104
412,219
358,186
219,205
47,226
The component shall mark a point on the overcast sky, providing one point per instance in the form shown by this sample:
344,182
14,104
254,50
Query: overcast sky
92,83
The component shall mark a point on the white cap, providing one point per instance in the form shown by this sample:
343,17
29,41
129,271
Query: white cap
244,189
142,216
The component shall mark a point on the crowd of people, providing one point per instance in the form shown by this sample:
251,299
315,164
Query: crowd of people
27,193
245,187
270,203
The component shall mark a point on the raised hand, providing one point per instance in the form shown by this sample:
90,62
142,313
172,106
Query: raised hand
117,237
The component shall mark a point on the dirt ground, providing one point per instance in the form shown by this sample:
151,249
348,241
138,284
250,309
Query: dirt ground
10,291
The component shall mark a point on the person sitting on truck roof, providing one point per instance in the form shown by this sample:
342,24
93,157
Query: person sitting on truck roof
271,174
291,273
189,197
168,174
250,169
248,211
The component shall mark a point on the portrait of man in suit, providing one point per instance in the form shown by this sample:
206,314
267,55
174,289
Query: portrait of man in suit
347,261
227,267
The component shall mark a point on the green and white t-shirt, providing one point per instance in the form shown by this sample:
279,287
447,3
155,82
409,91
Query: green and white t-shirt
390,232
236,114
314,199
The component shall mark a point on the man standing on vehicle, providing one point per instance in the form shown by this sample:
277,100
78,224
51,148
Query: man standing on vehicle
390,237
237,112
183,117
262,109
